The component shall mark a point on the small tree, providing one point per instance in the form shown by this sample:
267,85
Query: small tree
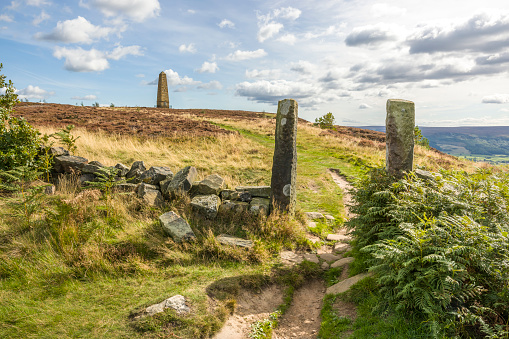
419,139
326,121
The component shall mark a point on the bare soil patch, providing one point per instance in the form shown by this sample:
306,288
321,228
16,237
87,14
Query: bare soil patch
251,307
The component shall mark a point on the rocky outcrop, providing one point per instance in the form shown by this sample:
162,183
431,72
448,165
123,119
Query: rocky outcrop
181,183
134,174
154,175
69,164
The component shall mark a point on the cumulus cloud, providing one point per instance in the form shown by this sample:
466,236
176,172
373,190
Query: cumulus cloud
187,48
493,59
213,85
370,35
6,18
264,91
268,27
137,10
208,67
364,106
40,18
226,23
93,60
78,30
331,30
86,97
174,79
496,99
33,92
383,9
239,55
268,30
481,33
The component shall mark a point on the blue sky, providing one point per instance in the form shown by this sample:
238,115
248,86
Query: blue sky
346,57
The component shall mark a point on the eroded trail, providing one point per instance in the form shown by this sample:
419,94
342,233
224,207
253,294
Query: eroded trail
302,320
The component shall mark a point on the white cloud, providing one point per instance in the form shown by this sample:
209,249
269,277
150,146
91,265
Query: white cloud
6,18
33,92
303,67
268,30
138,10
37,3
496,99
86,97
364,106
187,48
239,55
80,60
93,60
214,84
287,13
191,11
140,75
40,18
265,74
174,79
208,67
226,23
288,39
383,9
78,30
331,30
120,51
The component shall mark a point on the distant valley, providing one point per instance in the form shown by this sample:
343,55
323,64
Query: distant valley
484,143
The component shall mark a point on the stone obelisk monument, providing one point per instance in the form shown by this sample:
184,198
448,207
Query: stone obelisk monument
284,167
163,100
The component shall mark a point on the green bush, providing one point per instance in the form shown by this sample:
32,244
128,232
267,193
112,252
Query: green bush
19,141
326,121
439,248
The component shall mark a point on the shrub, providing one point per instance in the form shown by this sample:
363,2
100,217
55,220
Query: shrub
19,141
439,248
326,121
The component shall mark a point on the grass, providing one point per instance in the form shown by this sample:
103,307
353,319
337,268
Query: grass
83,266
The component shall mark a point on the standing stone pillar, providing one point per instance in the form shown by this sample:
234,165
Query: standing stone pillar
163,100
399,129
284,166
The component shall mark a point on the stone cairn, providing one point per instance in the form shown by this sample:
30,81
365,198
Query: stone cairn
284,167
399,129
163,100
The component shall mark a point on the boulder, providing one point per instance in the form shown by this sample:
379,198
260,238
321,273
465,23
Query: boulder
176,227
181,182
213,184
338,237
92,167
122,170
134,174
233,207
144,188
154,175
342,262
229,195
260,206
255,191
153,198
229,240
69,163
58,151
206,205
84,178
425,175
177,302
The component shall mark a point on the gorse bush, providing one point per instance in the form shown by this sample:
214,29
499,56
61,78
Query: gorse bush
440,248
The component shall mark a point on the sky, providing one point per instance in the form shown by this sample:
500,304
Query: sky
346,57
